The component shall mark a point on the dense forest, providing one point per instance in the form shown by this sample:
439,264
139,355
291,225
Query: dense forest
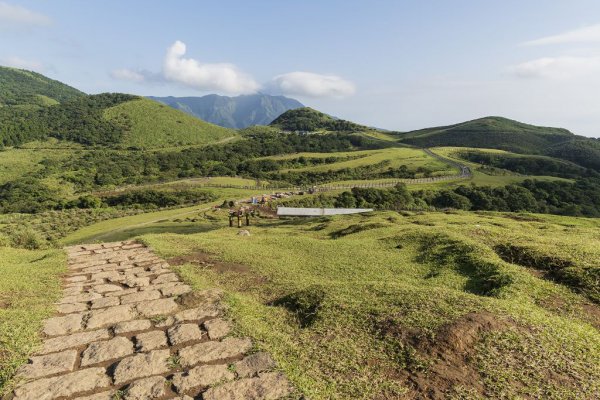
581,198
78,120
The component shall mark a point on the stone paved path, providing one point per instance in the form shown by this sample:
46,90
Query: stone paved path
128,328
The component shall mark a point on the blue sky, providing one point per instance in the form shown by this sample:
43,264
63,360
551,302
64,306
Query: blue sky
393,64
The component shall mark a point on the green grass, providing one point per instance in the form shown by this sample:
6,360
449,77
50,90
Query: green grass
16,163
154,125
397,156
349,306
130,226
29,285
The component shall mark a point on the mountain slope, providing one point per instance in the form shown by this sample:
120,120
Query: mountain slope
233,112
148,124
310,120
19,88
491,132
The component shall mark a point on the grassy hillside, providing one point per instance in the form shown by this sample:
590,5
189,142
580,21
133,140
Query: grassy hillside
25,303
490,132
149,124
412,306
309,120
20,87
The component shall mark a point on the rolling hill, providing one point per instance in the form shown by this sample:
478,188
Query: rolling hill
149,124
22,88
491,132
233,112
307,119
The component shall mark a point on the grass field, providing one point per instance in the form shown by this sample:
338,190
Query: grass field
173,128
159,221
353,306
397,156
16,163
29,285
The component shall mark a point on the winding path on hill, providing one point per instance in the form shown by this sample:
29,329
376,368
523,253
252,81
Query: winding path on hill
128,328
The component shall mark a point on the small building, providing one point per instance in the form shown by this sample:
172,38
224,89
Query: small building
317,212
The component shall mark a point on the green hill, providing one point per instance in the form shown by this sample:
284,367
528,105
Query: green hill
149,124
309,120
19,87
490,132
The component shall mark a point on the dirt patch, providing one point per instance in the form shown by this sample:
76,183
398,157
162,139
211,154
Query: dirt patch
445,361
206,260
592,312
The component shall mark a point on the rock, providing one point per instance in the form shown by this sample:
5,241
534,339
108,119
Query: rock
105,302
64,385
157,307
198,313
253,364
122,292
136,282
214,351
217,328
147,388
244,232
183,333
132,326
140,296
150,340
176,290
50,364
80,298
63,325
75,340
110,395
164,322
107,288
112,349
109,316
71,308
141,366
204,375
269,386
164,278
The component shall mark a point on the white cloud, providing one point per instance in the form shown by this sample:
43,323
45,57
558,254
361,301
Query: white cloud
17,62
563,68
588,34
220,77
18,16
125,74
311,85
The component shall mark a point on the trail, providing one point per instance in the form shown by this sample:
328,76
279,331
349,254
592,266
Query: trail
128,328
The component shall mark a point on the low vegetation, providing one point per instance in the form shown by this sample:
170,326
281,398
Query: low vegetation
387,305
29,285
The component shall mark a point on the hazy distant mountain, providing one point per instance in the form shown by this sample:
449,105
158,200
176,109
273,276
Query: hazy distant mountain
233,112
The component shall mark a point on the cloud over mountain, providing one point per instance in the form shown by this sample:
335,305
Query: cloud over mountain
311,85
228,78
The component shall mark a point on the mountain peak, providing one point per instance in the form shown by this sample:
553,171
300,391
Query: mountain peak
233,112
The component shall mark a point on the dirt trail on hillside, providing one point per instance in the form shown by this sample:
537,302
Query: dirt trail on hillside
128,328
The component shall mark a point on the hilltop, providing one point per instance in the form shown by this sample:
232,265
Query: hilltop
307,119
38,108
26,88
233,112
491,132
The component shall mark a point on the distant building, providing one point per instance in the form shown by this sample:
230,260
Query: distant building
318,212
